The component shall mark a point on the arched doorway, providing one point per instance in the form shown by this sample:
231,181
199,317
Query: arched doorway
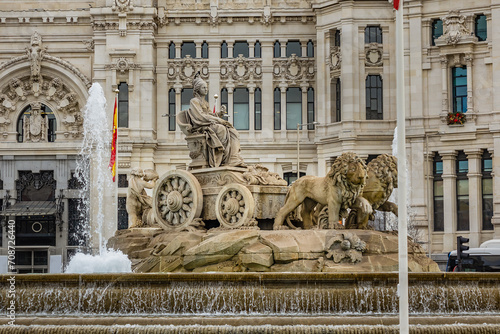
46,122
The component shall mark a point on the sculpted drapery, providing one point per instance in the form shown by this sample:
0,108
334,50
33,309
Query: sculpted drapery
222,138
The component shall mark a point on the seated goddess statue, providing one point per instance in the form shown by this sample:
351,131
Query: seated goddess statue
222,139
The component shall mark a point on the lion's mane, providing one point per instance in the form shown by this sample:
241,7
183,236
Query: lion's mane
385,168
338,176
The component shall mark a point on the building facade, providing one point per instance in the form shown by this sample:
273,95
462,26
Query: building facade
319,73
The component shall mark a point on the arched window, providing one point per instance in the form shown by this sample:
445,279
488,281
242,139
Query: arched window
310,48
223,49
310,108
204,50
224,101
277,109
257,50
241,109
46,114
186,96
171,50
277,49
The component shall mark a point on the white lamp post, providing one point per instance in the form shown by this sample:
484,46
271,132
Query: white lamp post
299,126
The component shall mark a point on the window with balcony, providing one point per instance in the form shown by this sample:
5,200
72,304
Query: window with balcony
459,83
240,48
188,49
293,47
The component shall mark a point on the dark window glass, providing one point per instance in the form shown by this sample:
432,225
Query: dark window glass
122,213
480,28
186,96
204,50
487,190
291,177
171,109
437,30
374,97
241,107
223,49
373,34
337,38
310,48
338,104
293,107
310,108
46,113
123,105
122,181
257,50
277,109
78,232
438,194
462,168
224,102
277,49
171,50
293,47
188,49
240,48
258,109
459,82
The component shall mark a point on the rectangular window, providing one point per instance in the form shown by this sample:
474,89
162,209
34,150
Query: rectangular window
337,38
258,108
438,194
335,93
487,190
293,47
277,109
241,109
224,102
293,107
437,31
374,97
78,231
480,28
462,168
171,109
459,82
186,96
122,213
240,48
373,34
188,49
123,105
310,108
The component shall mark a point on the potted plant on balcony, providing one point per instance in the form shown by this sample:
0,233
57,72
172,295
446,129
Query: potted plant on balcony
456,118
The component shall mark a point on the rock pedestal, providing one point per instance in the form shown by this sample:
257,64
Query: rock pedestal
153,250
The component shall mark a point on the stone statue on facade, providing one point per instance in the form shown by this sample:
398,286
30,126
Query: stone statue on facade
139,203
381,181
35,125
35,55
217,141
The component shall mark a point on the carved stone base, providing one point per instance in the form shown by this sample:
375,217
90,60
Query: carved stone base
197,146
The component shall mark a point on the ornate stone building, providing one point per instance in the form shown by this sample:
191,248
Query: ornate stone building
277,66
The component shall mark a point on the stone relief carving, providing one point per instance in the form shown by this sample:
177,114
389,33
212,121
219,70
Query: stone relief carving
294,69
123,5
89,44
455,29
6,108
183,70
139,203
35,126
334,61
373,55
123,64
345,247
241,69
37,181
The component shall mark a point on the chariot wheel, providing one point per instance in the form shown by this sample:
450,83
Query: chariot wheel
234,205
177,200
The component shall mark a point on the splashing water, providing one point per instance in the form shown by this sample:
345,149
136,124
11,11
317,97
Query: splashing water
97,208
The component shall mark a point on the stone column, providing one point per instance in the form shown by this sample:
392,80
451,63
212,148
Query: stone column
475,196
283,47
198,44
450,200
251,49
230,46
445,108
214,73
470,100
267,132
303,46
178,48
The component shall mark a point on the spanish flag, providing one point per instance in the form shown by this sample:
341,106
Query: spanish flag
112,160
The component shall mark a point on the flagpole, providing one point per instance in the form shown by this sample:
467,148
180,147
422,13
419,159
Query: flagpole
117,91
402,174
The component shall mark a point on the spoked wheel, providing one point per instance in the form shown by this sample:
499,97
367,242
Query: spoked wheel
234,205
177,200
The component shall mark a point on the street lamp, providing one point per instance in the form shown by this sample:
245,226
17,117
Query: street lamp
299,126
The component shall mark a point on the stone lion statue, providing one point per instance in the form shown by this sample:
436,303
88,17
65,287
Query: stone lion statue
139,203
337,190
381,181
